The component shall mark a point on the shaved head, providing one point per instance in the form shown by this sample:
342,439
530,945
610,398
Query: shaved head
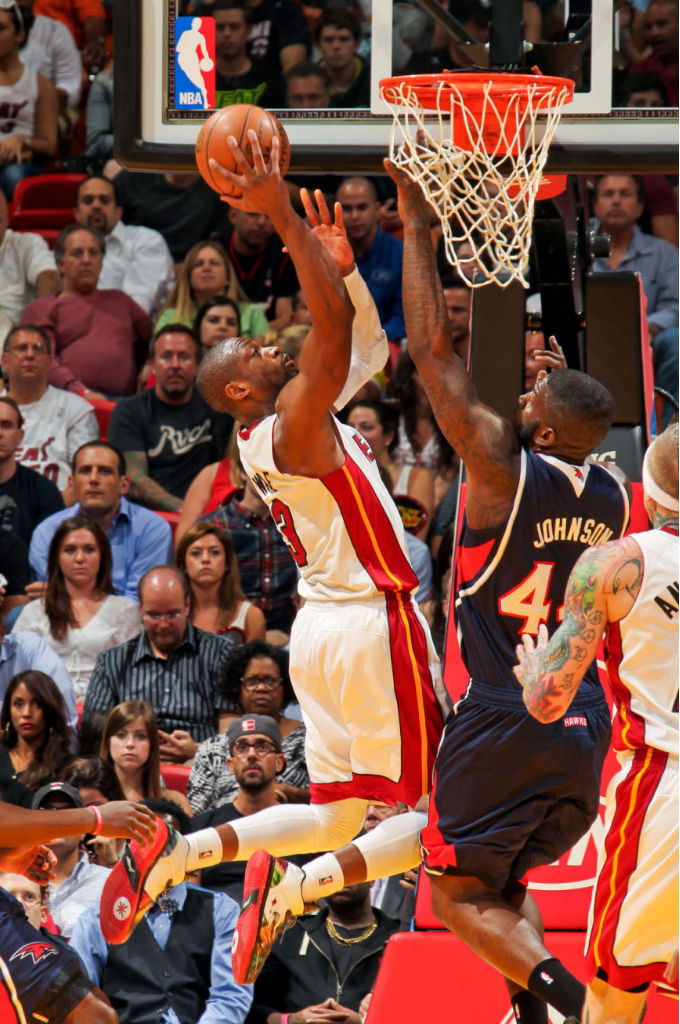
662,459
218,367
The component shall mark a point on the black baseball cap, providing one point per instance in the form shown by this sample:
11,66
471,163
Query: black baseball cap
254,725
60,788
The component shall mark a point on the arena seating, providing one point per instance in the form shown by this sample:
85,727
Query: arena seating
44,202
102,410
175,776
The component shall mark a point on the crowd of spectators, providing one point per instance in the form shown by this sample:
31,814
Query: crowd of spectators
146,596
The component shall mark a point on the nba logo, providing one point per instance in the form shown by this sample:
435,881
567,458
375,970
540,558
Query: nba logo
194,63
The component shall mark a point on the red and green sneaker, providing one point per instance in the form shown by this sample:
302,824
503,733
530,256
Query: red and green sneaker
137,880
272,900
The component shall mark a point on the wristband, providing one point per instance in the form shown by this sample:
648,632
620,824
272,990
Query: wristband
284,1018
98,820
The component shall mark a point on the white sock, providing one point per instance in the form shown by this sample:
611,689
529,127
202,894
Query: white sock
323,876
204,849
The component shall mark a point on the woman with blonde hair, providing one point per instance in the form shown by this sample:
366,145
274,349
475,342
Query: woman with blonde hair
207,271
130,743
217,603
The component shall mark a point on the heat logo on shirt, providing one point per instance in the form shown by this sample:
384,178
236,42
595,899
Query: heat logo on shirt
194,63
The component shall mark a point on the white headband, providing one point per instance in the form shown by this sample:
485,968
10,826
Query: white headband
652,489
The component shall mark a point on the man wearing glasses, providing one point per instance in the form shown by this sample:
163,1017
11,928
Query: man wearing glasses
255,756
56,422
171,664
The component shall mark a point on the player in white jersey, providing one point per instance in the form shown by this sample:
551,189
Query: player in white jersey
362,662
627,590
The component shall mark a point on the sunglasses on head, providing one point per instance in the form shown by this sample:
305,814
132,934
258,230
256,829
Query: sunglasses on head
9,5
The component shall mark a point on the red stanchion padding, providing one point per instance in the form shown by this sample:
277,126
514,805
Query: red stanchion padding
434,977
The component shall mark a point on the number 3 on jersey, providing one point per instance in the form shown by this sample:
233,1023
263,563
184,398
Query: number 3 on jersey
283,517
529,599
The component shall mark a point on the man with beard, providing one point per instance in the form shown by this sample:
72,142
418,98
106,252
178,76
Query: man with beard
168,433
508,793
255,759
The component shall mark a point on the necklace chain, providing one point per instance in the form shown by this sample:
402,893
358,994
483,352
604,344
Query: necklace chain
342,941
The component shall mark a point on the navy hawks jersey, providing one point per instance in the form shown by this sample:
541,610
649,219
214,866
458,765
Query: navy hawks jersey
511,578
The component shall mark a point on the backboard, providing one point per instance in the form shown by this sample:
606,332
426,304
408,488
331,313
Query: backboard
156,128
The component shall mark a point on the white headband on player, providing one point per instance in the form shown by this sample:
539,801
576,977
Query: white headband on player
652,489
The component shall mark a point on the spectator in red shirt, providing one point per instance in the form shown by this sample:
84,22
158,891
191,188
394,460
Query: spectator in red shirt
99,337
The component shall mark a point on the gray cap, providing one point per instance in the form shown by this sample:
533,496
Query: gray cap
60,788
254,725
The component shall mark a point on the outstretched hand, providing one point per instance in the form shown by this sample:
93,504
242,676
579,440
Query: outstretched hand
531,658
551,358
411,202
261,188
331,234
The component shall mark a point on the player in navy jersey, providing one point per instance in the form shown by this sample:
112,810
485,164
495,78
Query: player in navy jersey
509,794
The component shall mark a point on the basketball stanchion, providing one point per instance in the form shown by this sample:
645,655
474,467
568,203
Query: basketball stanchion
476,143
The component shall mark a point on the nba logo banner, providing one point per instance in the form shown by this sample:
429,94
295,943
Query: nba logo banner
194,63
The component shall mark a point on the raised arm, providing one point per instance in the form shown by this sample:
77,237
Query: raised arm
484,440
370,350
602,588
304,438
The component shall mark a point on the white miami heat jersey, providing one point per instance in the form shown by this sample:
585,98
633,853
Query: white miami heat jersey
343,529
642,652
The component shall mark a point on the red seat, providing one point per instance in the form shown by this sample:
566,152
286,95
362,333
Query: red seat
175,776
47,192
49,234
102,410
170,517
44,201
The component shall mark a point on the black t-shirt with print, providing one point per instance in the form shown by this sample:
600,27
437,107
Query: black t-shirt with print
260,86
179,440
26,499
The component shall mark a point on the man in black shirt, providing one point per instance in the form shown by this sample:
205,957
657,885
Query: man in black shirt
255,758
167,432
265,271
26,496
238,77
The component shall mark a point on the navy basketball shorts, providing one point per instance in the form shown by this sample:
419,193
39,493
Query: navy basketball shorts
40,981
510,793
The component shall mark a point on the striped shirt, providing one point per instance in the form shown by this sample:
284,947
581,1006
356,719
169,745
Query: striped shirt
183,689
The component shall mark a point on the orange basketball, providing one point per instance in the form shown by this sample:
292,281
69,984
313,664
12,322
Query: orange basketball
237,120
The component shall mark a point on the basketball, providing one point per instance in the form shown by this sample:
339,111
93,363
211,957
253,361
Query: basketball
237,120
207,64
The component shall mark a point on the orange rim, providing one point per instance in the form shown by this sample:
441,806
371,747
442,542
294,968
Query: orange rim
428,89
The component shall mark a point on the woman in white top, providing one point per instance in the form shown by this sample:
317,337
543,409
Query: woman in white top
80,616
28,127
217,603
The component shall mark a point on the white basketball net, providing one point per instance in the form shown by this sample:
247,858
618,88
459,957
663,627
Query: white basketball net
484,195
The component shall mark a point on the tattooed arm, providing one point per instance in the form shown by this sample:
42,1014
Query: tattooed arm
601,589
484,440
146,490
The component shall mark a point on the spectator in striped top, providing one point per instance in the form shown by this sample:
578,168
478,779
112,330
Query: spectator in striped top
172,665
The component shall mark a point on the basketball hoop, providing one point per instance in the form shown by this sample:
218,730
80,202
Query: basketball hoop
474,144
